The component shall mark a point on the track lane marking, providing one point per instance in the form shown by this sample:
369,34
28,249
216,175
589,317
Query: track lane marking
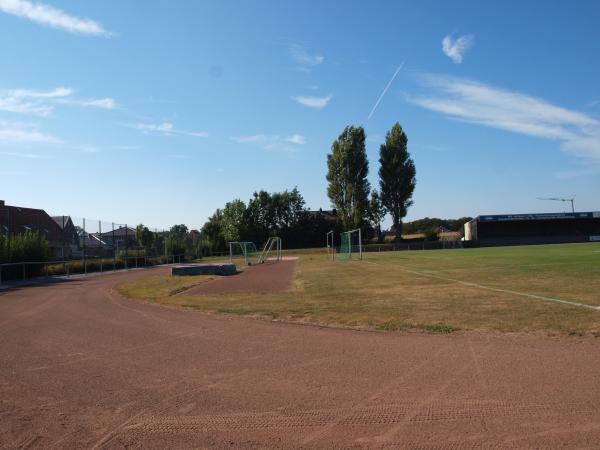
490,288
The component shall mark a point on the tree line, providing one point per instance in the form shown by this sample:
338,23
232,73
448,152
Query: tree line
433,224
355,205
282,214
350,191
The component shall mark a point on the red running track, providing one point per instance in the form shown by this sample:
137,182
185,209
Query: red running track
82,368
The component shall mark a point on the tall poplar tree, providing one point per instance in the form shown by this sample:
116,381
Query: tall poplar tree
347,170
397,176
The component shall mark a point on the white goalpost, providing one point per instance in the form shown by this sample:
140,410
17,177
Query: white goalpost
245,249
274,244
249,252
330,245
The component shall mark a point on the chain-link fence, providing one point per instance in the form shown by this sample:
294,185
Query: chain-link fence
34,243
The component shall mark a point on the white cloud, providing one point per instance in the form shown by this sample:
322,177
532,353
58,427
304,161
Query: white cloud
303,58
17,132
313,102
104,103
568,174
297,139
54,93
24,101
474,102
456,48
42,103
165,129
53,17
250,139
89,149
128,147
272,141
23,155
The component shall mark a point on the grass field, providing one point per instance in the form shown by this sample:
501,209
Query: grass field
505,289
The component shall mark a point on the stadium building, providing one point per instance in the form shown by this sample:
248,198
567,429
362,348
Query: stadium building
523,229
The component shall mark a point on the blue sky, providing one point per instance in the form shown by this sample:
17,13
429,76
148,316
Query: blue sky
160,112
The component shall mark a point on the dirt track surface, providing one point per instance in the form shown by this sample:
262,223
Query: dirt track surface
82,368
262,278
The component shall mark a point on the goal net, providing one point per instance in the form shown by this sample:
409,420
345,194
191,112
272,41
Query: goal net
351,245
243,252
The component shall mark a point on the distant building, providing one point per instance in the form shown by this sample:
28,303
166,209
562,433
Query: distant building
20,220
66,225
121,238
327,215
519,229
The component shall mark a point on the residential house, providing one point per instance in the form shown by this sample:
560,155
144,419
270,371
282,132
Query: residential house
20,220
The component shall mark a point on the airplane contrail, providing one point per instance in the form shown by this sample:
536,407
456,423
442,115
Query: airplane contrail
385,90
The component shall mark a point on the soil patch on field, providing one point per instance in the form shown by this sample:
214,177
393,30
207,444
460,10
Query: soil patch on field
269,277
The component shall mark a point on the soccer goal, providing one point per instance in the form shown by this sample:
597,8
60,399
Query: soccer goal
351,243
272,247
246,251
330,245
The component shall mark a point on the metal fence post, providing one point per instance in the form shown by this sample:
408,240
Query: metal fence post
100,237
84,239
113,247
64,246
24,276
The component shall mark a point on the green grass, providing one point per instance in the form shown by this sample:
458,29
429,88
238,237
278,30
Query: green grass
399,291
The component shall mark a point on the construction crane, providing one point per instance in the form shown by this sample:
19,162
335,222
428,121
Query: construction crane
557,199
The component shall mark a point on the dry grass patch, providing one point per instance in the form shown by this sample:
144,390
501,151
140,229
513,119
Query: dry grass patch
159,286
381,293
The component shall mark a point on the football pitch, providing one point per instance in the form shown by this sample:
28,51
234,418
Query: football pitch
549,289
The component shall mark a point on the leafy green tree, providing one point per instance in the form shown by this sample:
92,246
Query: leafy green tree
347,170
233,220
144,236
270,214
178,232
422,225
259,217
377,213
212,232
289,208
176,244
397,176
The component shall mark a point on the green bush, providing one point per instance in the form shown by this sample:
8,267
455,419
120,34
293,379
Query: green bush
23,247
